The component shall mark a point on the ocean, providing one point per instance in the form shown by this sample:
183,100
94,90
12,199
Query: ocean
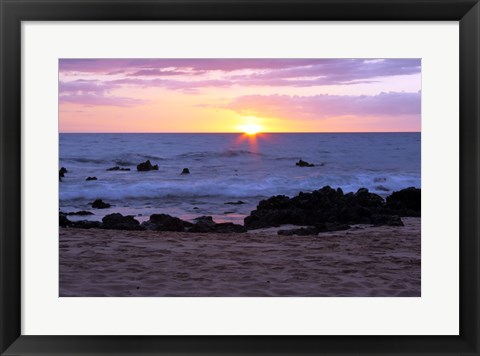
227,168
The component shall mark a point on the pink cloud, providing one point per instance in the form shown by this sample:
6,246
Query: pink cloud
172,84
161,73
89,99
325,106
198,74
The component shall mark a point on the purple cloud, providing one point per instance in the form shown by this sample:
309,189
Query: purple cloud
325,106
101,100
82,86
320,71
206,64
340,71
161,73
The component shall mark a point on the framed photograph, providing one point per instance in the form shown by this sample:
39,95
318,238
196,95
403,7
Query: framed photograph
242,177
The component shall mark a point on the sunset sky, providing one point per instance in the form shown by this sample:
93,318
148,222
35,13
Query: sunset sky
235,95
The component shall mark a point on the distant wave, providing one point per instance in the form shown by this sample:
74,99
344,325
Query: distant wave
232,188
84,160
131,160
221,154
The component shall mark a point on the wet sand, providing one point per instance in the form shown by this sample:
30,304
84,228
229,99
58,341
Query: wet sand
364,261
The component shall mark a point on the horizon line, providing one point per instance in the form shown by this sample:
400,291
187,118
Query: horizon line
239,132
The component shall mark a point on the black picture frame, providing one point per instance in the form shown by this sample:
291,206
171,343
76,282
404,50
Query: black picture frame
13,12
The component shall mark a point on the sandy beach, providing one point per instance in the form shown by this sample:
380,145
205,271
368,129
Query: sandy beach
363,261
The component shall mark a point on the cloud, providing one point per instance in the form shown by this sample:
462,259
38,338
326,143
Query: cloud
101,100
204,64
93,93
82,86
92,77
171,84
268,72
344,71
325,106
161,73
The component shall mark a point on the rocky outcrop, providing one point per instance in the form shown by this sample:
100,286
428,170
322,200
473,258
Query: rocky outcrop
206,224
185,171
302,163
100,204
326,205
239,202
63,220
405,202
61,173
225,228
202,224
85,224
117,168
80,212
165,222
147,166
117,221
91,178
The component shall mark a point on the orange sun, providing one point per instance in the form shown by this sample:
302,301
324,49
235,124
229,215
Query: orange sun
250,129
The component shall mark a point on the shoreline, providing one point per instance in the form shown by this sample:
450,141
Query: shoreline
325,209
364,261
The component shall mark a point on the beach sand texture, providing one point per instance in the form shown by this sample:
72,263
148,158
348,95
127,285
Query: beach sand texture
364,261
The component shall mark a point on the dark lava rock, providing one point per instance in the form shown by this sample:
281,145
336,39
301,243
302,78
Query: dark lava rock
91,178
63,221
367,199
326,205
405,202
147,166
85,224
223,228
302,163
382,188
117,221
117,168
206,224
205,219
185,171
99,204
164,222
203,224
239,202
81,213
61,173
